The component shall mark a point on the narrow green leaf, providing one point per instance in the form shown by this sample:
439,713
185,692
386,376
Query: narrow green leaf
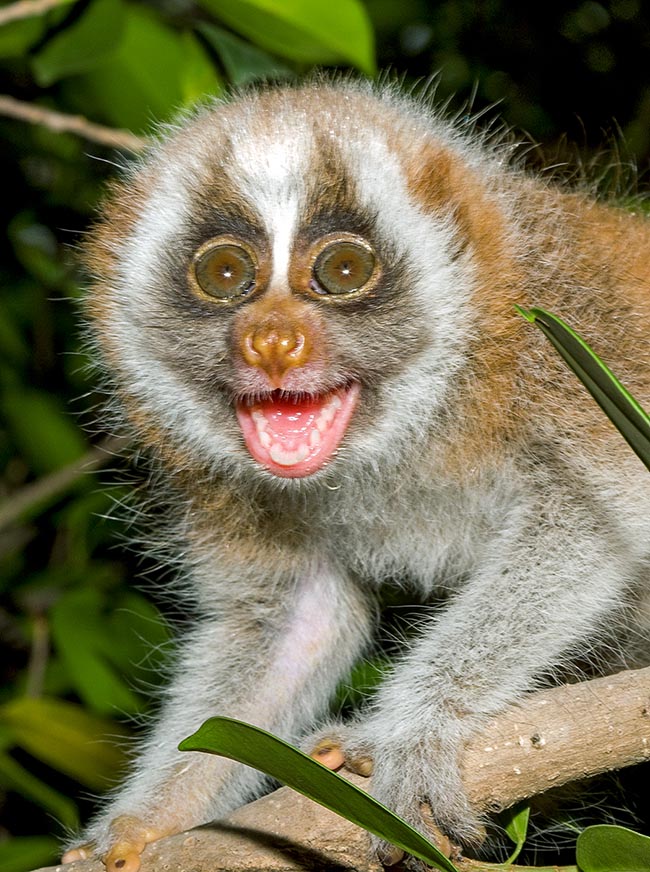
515,821
27,852
15,777
13,346
608,848
67,738
261,750
90,41
308,31
617,403
138,640
37,249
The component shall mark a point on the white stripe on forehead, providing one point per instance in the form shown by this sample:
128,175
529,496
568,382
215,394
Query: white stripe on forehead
271,170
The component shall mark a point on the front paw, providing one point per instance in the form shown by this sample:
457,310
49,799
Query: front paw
119,844
417,777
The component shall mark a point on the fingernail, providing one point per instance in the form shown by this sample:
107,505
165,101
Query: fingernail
389,854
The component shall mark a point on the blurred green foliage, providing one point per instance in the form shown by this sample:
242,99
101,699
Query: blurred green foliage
81,646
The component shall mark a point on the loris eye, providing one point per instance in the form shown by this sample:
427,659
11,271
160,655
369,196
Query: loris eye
225,271
343,267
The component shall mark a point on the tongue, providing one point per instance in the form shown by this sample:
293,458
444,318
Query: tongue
295,437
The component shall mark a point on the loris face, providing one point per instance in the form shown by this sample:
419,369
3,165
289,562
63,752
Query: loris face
275,293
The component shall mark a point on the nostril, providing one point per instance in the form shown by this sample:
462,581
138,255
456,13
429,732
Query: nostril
251,353
297,343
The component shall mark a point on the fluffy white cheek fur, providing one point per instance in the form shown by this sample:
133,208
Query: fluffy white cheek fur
442,289
137,327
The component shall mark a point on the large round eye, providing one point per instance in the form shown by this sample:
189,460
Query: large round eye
343,267
225,270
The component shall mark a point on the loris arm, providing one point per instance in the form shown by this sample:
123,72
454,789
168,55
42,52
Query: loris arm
549,586
272,659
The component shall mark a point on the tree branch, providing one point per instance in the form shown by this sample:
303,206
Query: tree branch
560,735
28,9
60,122
552,737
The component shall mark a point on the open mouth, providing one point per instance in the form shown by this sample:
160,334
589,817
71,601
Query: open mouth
295,435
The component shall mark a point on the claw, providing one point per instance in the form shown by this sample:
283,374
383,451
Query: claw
362,764
81,852
439,839
129,836
389,855
123,858
328,753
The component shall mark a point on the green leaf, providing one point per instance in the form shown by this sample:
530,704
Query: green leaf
138,639
255,747
84,518
46,437
366,675
608,848
27,852
83,636
15,777
108,645
242,61
198,75
90,41
154,72
617,403
37,249
308,31
67,738
12,342
515,822
18,36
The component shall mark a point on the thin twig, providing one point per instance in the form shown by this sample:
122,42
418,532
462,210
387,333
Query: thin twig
38,656
28,9
46,490
61,122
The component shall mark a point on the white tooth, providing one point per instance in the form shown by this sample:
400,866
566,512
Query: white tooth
260,421
334,403
265,439
288,458
328,414
314,439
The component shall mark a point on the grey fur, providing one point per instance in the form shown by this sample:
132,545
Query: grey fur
539,540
